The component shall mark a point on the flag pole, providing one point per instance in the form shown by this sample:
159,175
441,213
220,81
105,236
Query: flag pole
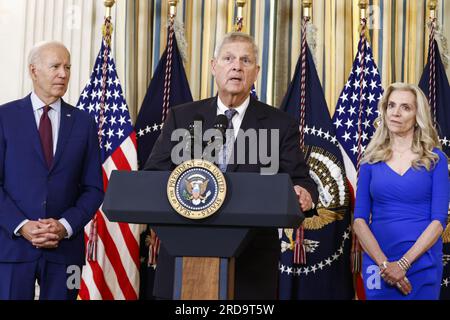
240,4
363,4
107,26
307,8
240,8
299,245
356,251
155,242
108,5
172,15
91,246
432,6
172,8
307,5
432,59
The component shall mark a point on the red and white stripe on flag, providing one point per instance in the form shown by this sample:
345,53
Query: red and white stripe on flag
115,273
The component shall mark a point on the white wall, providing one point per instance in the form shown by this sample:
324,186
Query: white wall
12,22
76,23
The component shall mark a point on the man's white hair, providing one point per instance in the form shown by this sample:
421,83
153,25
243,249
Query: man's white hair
236,37
35,52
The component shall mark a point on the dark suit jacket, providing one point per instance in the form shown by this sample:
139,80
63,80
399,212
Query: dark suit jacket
256,267
72,188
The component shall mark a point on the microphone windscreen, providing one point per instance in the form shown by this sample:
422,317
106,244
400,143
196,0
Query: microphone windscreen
221,121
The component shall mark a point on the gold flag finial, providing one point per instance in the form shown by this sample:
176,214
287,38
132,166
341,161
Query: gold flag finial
307,7
239,26
240,8
432,4
363,4
107,27
108,5
173,7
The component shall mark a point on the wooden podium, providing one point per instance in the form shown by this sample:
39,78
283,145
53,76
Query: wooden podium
200,278
204,249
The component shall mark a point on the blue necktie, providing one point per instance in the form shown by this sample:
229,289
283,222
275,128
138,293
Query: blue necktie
230,139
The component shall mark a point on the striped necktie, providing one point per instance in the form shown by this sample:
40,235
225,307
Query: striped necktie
228,145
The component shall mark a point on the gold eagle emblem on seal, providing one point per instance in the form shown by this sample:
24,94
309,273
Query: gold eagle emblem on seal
196,189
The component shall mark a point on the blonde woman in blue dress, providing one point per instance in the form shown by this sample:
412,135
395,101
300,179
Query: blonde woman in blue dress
402,200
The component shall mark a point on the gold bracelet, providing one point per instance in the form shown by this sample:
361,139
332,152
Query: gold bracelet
404,264
383,265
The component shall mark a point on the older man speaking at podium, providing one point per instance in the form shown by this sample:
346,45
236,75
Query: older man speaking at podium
235,69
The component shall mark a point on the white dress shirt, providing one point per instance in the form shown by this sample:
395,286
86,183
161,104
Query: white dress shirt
237,119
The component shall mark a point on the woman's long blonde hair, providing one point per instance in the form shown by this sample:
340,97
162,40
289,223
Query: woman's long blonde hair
425,135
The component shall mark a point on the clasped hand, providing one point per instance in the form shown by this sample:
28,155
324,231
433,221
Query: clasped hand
394,275
44,233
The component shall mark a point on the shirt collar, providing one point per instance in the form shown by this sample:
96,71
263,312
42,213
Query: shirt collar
38,104
240,109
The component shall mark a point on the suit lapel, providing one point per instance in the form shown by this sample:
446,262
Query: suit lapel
65,128
209,112
30,126
251,120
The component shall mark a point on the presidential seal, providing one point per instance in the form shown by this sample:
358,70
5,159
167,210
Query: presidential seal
196,189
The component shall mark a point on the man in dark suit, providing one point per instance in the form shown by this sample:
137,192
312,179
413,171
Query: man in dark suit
50,182
235,69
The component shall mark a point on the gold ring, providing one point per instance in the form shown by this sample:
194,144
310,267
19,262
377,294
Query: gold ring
406,280
399,285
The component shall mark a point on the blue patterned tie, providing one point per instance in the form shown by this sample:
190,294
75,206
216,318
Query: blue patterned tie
229,140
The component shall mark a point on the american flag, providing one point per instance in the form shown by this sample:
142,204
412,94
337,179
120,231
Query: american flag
112,267
356,105
354,118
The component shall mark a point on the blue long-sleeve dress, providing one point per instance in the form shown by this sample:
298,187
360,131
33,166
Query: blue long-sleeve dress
398,208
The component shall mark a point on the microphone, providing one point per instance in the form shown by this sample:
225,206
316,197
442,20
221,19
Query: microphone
221,124
212,147
194,145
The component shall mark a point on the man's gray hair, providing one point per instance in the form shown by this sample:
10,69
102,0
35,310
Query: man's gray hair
236,37
35,52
